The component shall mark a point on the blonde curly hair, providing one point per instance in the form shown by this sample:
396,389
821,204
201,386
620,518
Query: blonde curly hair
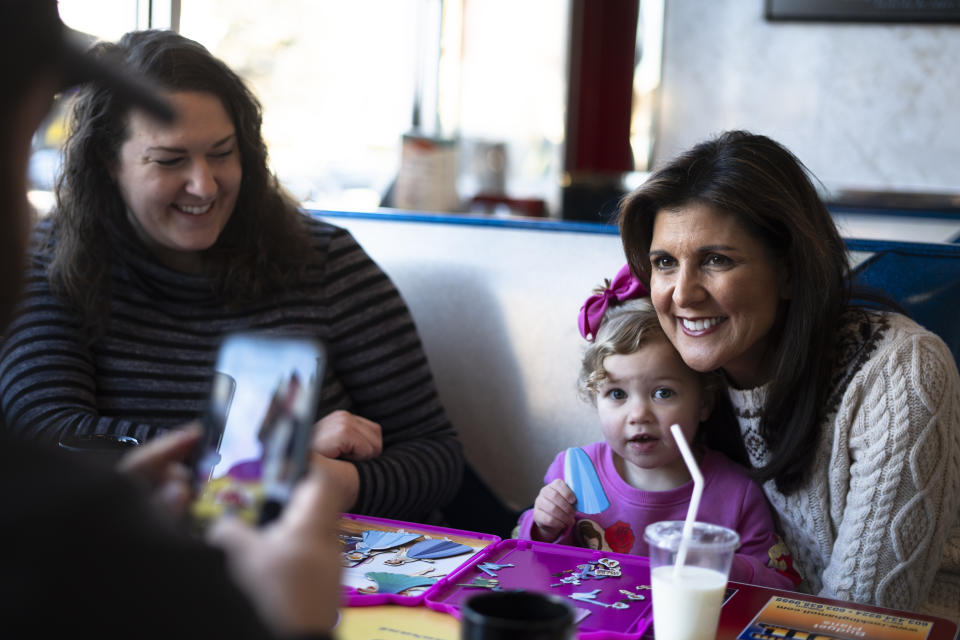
625,328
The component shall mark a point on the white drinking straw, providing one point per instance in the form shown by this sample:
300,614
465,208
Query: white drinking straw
694,499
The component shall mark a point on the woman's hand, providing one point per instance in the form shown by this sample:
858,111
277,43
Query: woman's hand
159,463
290,568
553,511
342,434
340,439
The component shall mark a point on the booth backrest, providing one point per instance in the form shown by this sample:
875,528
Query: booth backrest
496,307
923,278
496,304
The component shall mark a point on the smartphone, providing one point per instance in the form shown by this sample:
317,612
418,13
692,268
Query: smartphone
257,425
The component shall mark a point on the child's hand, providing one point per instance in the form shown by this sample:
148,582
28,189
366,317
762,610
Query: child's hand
553,511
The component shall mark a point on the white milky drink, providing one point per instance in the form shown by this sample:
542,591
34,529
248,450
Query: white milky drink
686,607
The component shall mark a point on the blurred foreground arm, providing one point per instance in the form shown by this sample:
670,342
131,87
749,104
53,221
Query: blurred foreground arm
290,568
160,464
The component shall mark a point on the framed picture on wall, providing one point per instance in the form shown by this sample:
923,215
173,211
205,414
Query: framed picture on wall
863,10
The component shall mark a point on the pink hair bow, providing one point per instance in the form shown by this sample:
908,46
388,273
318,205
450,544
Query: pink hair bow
625,286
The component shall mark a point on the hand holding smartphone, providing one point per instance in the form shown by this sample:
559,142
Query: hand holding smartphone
257,426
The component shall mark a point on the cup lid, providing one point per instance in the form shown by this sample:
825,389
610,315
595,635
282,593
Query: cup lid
667,534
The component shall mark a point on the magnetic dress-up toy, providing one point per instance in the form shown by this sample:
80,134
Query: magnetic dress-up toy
581,476
394,583
374,540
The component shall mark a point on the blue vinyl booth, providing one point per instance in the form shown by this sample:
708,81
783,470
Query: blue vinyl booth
496,301
923,278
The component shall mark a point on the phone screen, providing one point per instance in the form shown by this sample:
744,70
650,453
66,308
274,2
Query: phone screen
257,426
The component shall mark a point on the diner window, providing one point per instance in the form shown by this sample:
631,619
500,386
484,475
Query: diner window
343,84
101,20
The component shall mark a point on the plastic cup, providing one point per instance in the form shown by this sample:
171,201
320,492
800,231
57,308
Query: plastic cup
516,615
687,599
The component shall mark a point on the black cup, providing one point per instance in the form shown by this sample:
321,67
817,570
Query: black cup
516,615
101,448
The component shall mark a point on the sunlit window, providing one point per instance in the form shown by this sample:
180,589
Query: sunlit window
340,82
343,84
103,20
336,81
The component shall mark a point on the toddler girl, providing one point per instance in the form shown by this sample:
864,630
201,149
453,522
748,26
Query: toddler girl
636,475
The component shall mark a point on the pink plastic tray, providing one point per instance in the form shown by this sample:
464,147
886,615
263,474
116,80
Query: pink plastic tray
539,565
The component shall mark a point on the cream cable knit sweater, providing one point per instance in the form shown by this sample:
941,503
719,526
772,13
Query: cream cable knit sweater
877,519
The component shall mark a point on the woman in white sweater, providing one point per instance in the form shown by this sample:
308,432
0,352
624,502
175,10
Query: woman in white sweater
849,416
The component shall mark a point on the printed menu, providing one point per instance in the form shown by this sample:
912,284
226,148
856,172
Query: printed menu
783,617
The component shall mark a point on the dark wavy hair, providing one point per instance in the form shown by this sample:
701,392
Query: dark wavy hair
771,194
265,244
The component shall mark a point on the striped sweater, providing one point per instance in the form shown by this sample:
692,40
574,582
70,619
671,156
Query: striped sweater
150,369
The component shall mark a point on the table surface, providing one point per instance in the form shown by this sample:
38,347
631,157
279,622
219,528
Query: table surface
393,621
389,622
879,623
749,612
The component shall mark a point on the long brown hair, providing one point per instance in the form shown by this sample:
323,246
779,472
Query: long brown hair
771,194
264,245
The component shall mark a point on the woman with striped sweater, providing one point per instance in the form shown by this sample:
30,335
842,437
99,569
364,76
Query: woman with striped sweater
167,237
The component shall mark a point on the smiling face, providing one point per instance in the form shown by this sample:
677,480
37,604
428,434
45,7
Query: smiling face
717,291
180,181
644,393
